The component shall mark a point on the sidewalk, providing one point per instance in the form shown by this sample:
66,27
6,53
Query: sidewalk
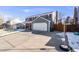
4,33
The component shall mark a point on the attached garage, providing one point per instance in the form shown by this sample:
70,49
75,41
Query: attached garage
41,24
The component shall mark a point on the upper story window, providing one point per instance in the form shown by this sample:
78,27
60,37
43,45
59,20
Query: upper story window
50,15
45,16
30,19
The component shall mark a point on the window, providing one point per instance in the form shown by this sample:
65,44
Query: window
50,15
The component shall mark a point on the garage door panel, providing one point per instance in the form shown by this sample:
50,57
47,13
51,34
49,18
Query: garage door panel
40,26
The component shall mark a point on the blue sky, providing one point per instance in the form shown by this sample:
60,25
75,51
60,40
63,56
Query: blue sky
24,11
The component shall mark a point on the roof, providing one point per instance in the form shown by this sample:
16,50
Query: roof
42,18
40,14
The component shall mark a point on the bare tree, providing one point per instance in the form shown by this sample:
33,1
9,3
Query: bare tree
1,22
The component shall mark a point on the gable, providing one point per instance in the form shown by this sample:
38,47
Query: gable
40,19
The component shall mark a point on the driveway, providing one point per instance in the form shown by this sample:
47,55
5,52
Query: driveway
27,41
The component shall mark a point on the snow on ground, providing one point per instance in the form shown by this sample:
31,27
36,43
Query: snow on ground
73,40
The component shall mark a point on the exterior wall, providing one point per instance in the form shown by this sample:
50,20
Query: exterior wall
41,20
20,26
56,17
13,27
47,16
30,18
28,26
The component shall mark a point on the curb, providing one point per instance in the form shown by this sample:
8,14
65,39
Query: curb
8,33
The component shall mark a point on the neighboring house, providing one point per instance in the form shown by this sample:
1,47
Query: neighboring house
45,18
13,24
20,26
6,25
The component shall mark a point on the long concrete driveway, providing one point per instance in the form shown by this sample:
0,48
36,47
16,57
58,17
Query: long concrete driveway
25,41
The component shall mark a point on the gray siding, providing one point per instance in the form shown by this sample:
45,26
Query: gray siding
41,20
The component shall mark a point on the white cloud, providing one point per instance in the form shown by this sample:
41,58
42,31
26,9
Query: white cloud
36,10
26,10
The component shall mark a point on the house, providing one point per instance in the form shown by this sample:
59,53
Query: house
6,25
46,20
13,24
20,26
16,23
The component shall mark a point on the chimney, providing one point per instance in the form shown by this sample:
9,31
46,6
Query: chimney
78,15
56,17
75,15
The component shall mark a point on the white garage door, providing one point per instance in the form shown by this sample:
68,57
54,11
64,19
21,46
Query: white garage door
40,26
